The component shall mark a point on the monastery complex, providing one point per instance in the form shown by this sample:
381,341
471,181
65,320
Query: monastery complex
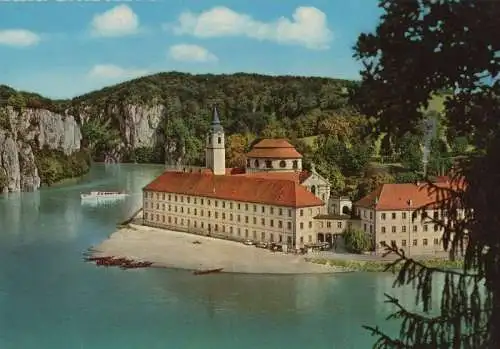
273,199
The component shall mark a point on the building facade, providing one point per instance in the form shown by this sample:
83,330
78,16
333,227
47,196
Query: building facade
392,214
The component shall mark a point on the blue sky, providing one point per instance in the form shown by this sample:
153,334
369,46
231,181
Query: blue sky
63,49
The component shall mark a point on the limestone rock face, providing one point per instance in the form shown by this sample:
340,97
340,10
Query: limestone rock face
20,131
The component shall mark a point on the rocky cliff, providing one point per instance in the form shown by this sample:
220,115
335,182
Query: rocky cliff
24,132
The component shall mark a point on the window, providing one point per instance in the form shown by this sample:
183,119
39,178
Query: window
262,236
269,164
280,224
371,215
219,140
282,163
246,207
238,218
301,239
301,225
289,213
436,214
310,224
382,243
248,163
436,242
301,212
263,209
230,216
393,229
425,227
145,215
415,242
231,205
223,204
403,243
295,164
189,200
393,242
231,230
403,229
254,220
271,223
281,212
271,237
424,242
403,215
216,203
163,196
383,230
393,215
271,209
255,208
223,215
262,221
328,224
239,206
436,227
256,163
339,225
289,225
246,219
415,228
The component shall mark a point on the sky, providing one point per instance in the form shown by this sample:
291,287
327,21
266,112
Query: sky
62,49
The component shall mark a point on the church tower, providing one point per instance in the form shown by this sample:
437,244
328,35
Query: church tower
215,150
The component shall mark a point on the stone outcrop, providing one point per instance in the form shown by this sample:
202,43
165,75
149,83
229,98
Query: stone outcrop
22,133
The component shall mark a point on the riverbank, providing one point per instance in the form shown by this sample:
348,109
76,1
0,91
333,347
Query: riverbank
171,249
381,266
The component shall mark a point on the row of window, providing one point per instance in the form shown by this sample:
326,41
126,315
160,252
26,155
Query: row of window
425,228
269,164
222,215
194,224
216,203
383,215
404,243
340,224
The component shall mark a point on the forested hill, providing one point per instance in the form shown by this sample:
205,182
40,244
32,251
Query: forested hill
165,116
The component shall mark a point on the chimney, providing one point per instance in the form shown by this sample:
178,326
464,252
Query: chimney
410,202
417,183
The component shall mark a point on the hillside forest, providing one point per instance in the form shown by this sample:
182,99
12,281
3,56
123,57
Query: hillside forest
320,116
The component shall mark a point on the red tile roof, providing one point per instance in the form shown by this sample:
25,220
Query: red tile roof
229,171
268,191
388,197
274,148
296,176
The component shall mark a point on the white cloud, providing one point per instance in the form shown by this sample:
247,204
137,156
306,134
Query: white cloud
308,26
18,37
114,72
191,53
118,21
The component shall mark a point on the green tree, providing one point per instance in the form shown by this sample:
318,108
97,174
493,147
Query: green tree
419,49
357,241
459,145
411,152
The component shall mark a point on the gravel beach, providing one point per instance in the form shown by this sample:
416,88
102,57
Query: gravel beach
171,249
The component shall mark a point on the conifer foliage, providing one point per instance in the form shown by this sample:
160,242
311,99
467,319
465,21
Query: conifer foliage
419,48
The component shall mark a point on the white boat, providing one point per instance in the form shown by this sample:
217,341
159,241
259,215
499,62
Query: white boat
103,195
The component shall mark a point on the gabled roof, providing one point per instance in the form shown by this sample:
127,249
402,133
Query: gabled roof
238,188
388,197
274,148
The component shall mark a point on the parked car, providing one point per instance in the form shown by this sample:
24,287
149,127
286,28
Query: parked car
262,245
249,242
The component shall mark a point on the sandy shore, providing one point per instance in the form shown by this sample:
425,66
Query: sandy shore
172,249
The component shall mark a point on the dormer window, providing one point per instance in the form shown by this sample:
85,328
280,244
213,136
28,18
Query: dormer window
295,164
269,164
256,163
282,163
248,163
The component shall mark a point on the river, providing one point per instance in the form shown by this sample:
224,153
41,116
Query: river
51,299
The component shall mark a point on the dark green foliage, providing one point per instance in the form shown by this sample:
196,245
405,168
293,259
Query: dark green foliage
411,152
408,177
421,48
459,145
54,165
357,241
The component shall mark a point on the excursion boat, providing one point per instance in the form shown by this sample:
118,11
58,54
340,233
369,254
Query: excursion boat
103,195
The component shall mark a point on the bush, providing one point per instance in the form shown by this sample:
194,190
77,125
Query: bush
357,241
